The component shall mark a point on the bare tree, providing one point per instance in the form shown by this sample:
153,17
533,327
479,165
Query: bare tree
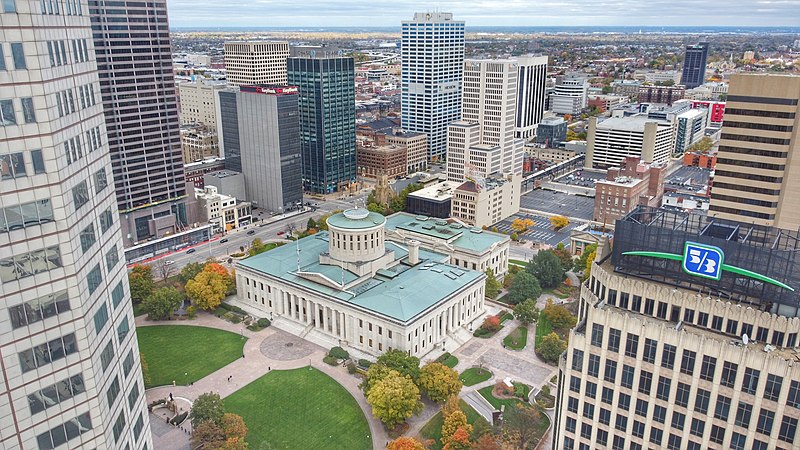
163,269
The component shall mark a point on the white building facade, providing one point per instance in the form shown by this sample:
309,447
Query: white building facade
531,94
71,371
432,53
250,63
368,286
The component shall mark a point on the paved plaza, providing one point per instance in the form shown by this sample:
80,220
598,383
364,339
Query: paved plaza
541,232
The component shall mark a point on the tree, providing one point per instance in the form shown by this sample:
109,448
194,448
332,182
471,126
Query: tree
207,435
703,145
207,407
401,362
522,224
394,399
375,373
487,441
589,261
162,303
491,323
559,222
526,312
551,347
492,288
547,269
459,440
558,316
256,247
311,223
233,426
452,422
164,270
564,255
588,252
523,287
234,443
439,382
514,237
452,405
209,287
405,443
520,424
190,271
141,282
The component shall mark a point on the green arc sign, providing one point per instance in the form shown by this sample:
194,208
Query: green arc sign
723,267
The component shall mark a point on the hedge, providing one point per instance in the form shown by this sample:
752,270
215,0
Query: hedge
338,353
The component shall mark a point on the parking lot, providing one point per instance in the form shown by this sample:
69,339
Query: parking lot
552,202
541,232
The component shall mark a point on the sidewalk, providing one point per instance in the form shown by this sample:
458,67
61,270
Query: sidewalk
252,366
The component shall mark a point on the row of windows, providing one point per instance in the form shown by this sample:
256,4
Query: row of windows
73,7
26,215
56,393
17,56
8,115
755,139
64,432
12,165
39,309
48,352
30,263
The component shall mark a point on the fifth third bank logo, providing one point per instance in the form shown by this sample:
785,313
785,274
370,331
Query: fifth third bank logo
703,260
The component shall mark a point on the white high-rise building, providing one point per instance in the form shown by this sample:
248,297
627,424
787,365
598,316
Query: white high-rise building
199,102
256,62
531,94
432,51
71,370
489,109
570,95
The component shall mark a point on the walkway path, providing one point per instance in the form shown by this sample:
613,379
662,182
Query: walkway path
264,350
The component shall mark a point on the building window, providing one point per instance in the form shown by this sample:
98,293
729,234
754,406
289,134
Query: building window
100,181
656,435
717,434
641,407
80,194
18,53
577,360
701,401
614,336
766,419
137,429
632,345
645,382
638,429
650,348
56,393
117,294
9,6
64,432
687,362
119,426
659,414
112,393
597,335
682,394
127,364
51,351
610,371
668,356
107,355
112,257
750,381
133,396
707,368
594,366
575,384
607,396
28,111
723,408
728,374
698,427
123,329
100,318
773,388
94,279
39,309
788,429
87,238
738,441
106,220
743,413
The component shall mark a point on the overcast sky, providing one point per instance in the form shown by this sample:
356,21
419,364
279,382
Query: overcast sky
345,13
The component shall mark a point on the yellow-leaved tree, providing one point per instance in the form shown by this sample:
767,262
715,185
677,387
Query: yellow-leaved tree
209,287
453,422
394,399
439,382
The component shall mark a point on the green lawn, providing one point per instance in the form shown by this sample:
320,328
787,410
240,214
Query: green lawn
433,429
517,339
543,328
172,350
474,375
300,408
517,262
486,392
451,361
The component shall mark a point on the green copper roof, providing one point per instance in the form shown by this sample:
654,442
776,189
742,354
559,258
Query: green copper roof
399,292
356,219
466,238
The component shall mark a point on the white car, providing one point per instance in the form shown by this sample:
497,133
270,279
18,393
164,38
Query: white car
169,263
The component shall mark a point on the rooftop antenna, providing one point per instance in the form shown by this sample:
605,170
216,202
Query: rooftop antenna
297,248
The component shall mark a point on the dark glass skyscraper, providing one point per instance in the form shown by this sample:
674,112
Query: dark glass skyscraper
694,65
134,60
327,121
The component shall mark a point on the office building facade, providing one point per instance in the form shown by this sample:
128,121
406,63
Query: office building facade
650,93
141,112
71,371
570,95
551,131
694,65
683,354
327,121
266,133
489,107
531,94
432,53
610,141
757,175
250,63
199,102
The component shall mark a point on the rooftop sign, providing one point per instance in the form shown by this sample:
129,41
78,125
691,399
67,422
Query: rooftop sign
707,261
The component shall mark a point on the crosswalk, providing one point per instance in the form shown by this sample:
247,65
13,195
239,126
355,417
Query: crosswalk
537,233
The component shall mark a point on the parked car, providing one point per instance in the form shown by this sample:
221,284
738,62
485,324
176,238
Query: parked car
190,251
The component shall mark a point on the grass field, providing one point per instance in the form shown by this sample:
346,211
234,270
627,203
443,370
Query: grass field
172,350
543,328
300,408
474,375
451,361
517,339
433,429
517,262
486,392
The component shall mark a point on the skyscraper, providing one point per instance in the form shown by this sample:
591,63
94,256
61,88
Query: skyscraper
256,62
687,338
531,94
432,53
327,121
570,95
71,370
134,59
694,65
263,137
490,102
757,178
